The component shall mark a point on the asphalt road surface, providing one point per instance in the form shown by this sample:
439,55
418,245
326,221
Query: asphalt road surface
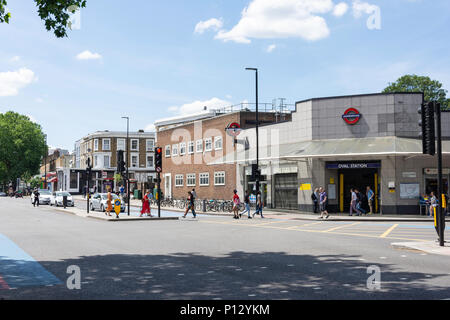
211,258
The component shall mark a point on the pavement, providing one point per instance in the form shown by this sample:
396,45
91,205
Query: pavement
427,247
304,216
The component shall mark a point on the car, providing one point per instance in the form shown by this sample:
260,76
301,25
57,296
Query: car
44,196
2,194
99,202
57,199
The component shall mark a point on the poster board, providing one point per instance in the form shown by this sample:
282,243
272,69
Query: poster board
409,191
331,192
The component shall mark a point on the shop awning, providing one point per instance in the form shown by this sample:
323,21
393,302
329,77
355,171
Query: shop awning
335,148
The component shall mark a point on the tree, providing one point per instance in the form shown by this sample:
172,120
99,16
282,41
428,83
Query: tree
22,147
412,83
55,13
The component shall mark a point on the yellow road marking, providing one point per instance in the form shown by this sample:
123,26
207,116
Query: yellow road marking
311,224
267,223
342,227
389,231
318,231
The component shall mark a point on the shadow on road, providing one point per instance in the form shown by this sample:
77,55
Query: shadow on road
239,275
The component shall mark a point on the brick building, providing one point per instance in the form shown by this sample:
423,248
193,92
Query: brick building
101,147
191,143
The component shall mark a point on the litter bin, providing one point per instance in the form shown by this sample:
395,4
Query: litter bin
138,194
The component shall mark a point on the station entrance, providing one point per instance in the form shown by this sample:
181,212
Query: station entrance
357,175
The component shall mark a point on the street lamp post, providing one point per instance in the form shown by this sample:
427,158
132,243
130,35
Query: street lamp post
257,129
126,161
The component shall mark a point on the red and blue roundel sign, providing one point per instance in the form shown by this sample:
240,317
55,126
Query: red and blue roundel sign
352,116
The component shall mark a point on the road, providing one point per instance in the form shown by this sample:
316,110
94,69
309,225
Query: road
211,258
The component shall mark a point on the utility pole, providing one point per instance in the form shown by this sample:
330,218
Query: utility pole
441,196
126,161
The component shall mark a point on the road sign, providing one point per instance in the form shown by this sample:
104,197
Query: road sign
117,206
233,129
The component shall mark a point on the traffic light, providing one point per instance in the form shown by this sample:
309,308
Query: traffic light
88,173
158,159
120,162
428,128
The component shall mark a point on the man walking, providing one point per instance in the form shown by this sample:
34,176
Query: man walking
359,202
353,203
370,198
36,198
247,205
315,199
259,206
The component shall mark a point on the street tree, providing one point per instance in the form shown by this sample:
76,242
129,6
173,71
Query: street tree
22,147
413,83
54,13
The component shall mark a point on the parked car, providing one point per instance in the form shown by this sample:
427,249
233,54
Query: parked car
44,196
2,194
99,202
57,199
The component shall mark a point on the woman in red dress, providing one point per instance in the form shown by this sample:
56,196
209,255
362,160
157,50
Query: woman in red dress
146,205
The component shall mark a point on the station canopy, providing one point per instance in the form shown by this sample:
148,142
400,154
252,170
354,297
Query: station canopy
330,149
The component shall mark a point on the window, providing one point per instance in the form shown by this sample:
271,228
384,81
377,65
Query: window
204,179
219,178
106,144
96,145
182,149
208,144
106,161
95,161
167,151
179,180
190,180
134,144
191,147
150,161
121,145
150,145
218,143
175,150
134,161
199,146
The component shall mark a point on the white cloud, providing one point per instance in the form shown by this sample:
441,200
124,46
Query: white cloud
198,106
87,55
15,59
271,48
214,24
150,128
12,82
268,19
363,7
340,9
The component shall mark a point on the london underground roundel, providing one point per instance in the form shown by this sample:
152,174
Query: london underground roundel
234,129
351,116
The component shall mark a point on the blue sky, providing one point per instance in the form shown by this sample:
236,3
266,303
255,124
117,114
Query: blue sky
148,62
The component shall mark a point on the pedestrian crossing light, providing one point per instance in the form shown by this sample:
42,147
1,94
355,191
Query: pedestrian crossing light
120,162
158,160
428,128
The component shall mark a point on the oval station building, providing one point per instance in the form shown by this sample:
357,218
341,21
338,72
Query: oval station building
341,143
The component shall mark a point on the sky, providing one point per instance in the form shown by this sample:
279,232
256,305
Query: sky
157,59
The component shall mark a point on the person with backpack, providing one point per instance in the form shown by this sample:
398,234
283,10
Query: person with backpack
359,203
190,205
247,205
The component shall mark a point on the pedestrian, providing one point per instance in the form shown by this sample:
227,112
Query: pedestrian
315,199
323,203
247,204
194,194
370,198
236,204
36,198
433,203
353,203
259,205
146,205
109,207
359,202
190,205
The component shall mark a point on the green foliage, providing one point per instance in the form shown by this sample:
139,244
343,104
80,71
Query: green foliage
118,178
55,13
35,182
432,89
22,146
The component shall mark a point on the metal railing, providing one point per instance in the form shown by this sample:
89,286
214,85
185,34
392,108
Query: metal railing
219,206
262,107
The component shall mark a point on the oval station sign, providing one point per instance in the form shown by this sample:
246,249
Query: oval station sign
234,129
351,116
